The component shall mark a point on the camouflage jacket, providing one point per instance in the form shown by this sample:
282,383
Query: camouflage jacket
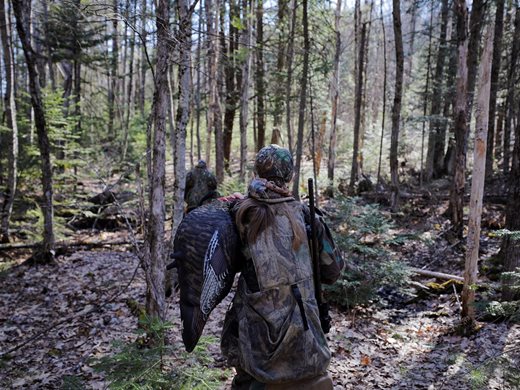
273,329
201,185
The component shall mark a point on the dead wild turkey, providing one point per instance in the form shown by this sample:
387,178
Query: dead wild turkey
207,254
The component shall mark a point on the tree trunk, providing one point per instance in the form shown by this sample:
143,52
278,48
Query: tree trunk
303,99
129,92
46,252
215,113
510,99
334,91
288,83
112,89
155,253
354,172
259,76
478,10
435,111
495,72
510,250
396,108
199,86
477,187
244,88
183,113
10,115
456,205
143,60
385,72
231,85
426,91
280,64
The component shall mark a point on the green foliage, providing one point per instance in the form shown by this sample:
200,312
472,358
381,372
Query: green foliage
149,365
231,185
505,365
512,279
366,237
513,235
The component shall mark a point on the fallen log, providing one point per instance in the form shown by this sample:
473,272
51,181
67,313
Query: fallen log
438,275
65,244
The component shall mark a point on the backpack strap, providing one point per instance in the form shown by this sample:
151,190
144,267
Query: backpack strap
298,296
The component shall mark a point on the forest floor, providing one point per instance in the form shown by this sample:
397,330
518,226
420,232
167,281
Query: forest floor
56,320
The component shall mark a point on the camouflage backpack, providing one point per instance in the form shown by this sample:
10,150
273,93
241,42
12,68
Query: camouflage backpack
279,336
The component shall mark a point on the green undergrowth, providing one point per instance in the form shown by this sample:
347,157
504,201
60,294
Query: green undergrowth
142,364
369,241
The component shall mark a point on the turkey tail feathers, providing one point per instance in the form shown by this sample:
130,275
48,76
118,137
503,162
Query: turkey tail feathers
207,254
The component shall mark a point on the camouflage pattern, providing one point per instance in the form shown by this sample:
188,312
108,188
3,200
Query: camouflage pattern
260,188
201,185
265,330
274,162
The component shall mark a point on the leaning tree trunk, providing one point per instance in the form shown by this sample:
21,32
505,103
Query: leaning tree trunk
10,114
154,249
396,108
456,205
303,98
477,188
495,72
45,254
334,91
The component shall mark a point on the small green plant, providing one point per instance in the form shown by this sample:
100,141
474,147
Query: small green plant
366,236
149,363
231,185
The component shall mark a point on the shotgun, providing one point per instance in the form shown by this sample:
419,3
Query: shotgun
323,306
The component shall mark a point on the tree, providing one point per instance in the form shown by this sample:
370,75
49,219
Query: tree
215,112
303,98
259,76
396,108
10,115
45,253
334,92
477,187
354,172
456,205
435,153
495,72
510,99
183,112
245,40
154,244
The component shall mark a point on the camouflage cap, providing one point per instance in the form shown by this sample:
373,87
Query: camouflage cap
274,162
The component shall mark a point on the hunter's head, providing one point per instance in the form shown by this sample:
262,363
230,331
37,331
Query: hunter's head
275,164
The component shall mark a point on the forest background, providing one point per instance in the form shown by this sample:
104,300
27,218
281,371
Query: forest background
397,103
